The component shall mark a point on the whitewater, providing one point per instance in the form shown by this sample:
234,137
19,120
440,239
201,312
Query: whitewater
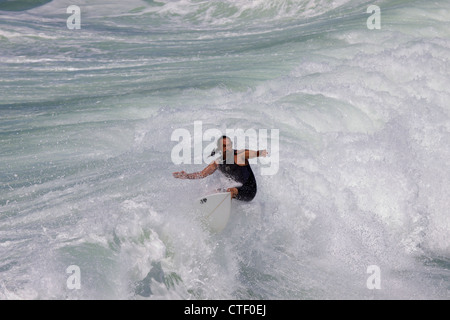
357,209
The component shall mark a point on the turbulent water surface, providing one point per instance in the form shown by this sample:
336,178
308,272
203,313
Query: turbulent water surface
86,121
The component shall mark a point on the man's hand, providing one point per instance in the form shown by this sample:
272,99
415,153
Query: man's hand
180,175
263,153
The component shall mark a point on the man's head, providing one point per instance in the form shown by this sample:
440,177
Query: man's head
224,144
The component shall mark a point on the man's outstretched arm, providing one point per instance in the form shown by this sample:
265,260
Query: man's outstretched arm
197,175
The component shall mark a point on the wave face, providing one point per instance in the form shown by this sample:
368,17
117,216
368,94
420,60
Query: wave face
86,122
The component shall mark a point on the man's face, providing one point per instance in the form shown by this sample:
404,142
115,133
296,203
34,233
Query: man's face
226,145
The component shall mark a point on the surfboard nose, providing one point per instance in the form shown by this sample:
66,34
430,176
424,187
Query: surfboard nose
215,210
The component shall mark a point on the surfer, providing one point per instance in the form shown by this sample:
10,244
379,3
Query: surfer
234,165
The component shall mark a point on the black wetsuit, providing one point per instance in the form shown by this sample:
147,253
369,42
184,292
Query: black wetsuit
241,174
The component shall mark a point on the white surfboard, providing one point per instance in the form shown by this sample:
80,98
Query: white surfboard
215,210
